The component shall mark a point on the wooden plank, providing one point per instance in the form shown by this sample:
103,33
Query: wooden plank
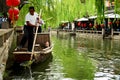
1,40
24,52
40,52
48,51
47,48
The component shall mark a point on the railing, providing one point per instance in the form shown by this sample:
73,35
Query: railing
89,31
81,31
4,35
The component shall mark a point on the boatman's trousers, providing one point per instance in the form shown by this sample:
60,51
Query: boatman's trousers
27,36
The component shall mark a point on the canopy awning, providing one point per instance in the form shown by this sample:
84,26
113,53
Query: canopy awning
82,19
113,16
92,17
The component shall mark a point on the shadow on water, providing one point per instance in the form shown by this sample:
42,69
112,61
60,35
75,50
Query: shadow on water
39,70
17,72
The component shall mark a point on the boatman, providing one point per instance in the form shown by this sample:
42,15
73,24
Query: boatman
30,24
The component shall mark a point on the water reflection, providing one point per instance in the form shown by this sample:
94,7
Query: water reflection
17,72
76,65
77,58
39,70
66,64
106,53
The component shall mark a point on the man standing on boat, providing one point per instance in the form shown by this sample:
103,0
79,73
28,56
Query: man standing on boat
30,24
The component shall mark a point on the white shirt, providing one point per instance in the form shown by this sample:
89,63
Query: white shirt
31,18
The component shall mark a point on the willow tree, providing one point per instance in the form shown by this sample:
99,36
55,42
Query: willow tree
59,10
117,6
99,4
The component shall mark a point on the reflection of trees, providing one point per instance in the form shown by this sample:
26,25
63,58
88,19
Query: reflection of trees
71,42
43,65
73,63
106,49
107,45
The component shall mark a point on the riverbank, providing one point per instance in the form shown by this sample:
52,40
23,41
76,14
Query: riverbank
89,33
6,38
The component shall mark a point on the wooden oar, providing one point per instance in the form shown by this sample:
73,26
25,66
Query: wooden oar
34,42
35,39
28,63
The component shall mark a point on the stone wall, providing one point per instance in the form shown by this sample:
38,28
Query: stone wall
6,38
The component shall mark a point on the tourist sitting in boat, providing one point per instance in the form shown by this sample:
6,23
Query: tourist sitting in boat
47,44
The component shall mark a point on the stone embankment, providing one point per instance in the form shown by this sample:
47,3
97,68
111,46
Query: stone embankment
6,38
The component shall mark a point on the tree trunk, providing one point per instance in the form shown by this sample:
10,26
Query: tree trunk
3,7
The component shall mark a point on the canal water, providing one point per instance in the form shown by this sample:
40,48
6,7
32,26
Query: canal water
74,58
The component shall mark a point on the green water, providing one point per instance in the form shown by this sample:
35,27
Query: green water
73,58
67,63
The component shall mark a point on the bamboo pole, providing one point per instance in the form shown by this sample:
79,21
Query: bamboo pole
35,38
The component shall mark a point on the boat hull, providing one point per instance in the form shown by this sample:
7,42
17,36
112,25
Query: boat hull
40,53
38,57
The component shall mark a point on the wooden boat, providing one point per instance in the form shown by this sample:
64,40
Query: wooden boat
42,49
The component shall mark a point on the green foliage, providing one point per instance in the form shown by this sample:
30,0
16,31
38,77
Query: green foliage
99,4
117,6
65,10
59,10
22,14
1,14
6,74
26,63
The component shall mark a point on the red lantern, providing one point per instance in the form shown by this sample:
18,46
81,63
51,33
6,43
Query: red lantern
79,23
110,23
14,17
84,25
11,17
13,3
13,11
